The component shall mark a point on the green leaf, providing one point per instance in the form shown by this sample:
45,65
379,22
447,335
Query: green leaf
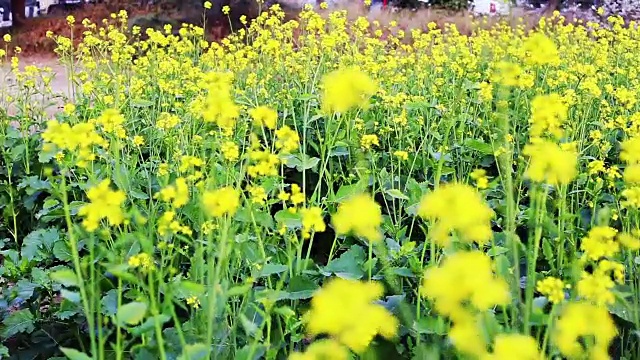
430,325
131,313
138,195
270,269
66,277
186,288
396,194
74,354
547,250
61,251
301,162
245,353
149,324
197,351
109,303
36,240
289,219
347,266
346,191
4,351
25,288
479,146
497,250
141,103
20,321
300,288
239,290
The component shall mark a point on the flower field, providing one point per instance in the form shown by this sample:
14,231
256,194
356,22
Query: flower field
326,188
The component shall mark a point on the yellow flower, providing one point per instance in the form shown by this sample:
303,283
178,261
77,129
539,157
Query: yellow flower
506,346
220,202
297,196
7,38
138,140
230,151
507,74
467,338
258,194
287,140
193,301
548,114
312,220
345,89
226,9
207,5
630,241
103,203
71,20
457,208
359,215
401,155
630,152
552,288
345,309
163,169
464,278
600,242
141,260
323,349
632,174
264,116
177,194
480,176
69,109
580,321
368,141
541,50
112,122
551,164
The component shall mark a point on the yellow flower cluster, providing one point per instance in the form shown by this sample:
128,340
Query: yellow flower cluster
359,215
104,203
457,208
345,310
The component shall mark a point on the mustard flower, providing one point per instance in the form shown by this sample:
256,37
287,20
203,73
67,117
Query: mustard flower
220,202
457,208
345,89
345,309
359,215
103,203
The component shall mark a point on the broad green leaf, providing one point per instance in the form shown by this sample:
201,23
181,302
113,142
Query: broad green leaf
246,351
348,265
346,191
396,194
61,251
186,288
74,354
66,277
289,219
497,250
270,269
109,303
479,146
131,313
20,321
195,352
239,290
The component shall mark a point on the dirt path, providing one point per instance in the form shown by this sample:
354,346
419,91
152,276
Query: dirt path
59,84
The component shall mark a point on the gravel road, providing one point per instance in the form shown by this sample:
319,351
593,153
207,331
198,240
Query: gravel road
59,84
